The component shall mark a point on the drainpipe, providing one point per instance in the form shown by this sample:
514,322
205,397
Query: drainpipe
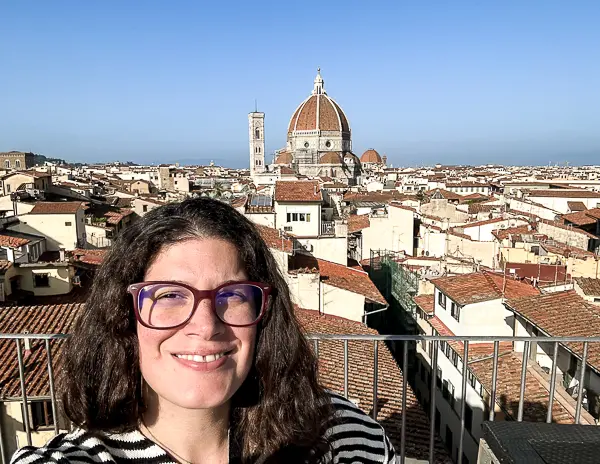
373,312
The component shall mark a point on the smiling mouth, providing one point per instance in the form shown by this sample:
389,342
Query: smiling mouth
202,359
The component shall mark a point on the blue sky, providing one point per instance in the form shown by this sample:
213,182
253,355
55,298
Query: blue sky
421,81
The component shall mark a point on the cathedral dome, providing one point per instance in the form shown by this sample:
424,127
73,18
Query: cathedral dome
319,112
331,157
370,156
285,157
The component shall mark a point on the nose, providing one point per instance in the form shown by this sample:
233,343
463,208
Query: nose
204,322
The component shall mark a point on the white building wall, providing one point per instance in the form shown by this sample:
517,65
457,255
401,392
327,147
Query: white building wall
310,228
483,233
265,219
394,232
334,249
60,230
560,204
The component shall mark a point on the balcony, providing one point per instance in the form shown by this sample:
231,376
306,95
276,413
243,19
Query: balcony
327,228
28,376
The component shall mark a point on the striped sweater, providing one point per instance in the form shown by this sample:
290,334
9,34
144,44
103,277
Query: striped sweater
355,438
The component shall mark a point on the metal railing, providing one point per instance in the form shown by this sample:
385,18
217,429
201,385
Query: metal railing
327,227
555,342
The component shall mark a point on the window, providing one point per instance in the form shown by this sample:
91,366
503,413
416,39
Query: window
7,188
145,208
449,438
472,379
305,144
68,224
41,414
439,377
448,392
18,164
7,164
257,134
328,144
468,417
455,311
298,217
41,280
455,358
442,299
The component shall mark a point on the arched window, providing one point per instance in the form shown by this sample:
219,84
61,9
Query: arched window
7,164
257,134
18,164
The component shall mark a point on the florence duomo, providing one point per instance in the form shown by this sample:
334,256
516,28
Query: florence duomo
319,141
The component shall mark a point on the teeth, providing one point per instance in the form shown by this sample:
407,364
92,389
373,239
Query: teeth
200,359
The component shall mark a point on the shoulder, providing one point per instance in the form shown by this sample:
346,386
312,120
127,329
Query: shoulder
356,437
82,446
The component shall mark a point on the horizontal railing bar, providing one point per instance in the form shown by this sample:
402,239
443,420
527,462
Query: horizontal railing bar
34,336
453,338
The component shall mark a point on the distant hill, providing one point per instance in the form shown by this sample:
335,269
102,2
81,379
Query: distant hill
41,159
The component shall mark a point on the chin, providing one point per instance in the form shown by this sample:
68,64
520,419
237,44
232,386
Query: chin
202,397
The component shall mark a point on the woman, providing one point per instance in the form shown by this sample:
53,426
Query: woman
189,351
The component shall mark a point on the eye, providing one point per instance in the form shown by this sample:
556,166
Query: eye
170,295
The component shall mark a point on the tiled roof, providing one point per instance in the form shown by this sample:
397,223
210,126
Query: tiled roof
576,206
285,157
425,302
94,257
398,205
57,207
446,194
508,388
561,193
338,275
482,223
563,314
298,191
390,382
358,222
12,242
370,156
33,319
565,250
514,232
331,157
475,208
583,218
589,286
330,117
274,239
481,286
381,197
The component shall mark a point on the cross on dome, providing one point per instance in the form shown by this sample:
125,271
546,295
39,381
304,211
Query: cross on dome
319,87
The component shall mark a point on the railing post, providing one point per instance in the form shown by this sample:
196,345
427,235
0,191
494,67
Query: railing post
24,408
434,355
581,382
552,383
404,388
375,375
346,369
51,383
523,380
463,403
494,380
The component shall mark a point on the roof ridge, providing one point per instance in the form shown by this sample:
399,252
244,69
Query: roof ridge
492,283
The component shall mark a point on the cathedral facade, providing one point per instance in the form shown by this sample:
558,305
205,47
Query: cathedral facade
319,140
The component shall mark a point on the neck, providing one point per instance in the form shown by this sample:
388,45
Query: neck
193,435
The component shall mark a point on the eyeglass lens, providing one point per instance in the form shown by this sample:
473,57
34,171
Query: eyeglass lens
169,305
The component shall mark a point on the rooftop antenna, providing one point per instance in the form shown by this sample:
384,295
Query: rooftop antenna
255,106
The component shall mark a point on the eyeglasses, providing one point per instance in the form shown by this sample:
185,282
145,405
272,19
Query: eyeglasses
167,305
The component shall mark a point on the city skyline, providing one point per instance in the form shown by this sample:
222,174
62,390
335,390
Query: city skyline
477,85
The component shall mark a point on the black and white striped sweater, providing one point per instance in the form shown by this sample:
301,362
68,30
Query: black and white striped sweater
356,438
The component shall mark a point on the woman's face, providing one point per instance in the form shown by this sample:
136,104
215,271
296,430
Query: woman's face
165,354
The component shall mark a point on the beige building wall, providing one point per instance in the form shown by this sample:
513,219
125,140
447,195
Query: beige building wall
141,206
265,219
12,183
59,279
60,230
334,249
394,232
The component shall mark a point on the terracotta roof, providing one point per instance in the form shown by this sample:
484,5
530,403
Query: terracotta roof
273,238
475,208
382,197
561,193
371,156
514,232
446,194
482,223
481,286
576,206
543,273
508,388
331,157
563,314
57,207
94,257
390,382
398,205
425,302
358,222
583,218
338,275
306,191
589,286
330,117
13,242
286,170
33,319
285,157
565,250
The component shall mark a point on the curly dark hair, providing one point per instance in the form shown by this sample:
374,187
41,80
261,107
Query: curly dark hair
279,413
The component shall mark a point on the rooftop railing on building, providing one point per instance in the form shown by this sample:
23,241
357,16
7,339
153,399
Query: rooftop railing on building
22,341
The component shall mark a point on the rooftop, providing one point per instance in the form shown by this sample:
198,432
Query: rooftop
357,223
481,286
588,285
298,191
58,207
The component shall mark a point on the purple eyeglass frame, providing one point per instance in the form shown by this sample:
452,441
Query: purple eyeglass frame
199,295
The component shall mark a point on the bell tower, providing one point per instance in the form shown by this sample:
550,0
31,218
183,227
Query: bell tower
256,125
